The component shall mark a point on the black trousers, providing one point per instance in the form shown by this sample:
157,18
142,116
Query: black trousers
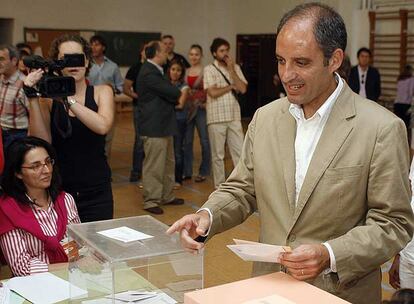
94,204
401,110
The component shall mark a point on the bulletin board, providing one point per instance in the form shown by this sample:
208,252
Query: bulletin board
122,47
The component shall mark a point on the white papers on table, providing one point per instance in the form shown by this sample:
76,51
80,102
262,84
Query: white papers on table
273,299
133,296
125,234
44,288
258,252
136,297
16,299
4,294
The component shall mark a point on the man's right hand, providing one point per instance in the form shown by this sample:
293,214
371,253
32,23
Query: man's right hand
190,227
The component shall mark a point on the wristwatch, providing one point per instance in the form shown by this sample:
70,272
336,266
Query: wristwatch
71,101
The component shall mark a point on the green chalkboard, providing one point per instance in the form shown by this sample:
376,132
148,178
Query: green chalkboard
123,47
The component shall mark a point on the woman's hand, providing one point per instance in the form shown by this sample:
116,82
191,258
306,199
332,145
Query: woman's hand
33,78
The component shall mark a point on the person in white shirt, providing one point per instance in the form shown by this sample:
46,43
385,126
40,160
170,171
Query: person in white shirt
401,274
326,170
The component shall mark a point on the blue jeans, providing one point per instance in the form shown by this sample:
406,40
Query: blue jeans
199,121
179,149
138,151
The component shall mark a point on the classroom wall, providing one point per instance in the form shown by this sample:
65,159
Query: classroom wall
190,21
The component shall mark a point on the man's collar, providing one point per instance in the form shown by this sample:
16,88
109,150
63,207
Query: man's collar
326,107
12,79
157,66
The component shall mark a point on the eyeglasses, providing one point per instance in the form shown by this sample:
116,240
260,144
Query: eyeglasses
38,166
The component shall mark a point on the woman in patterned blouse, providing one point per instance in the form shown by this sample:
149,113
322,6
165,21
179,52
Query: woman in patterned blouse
34,211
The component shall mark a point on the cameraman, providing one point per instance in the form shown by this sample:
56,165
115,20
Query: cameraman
78,134
13,103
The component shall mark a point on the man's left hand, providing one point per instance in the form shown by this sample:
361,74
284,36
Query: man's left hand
306,261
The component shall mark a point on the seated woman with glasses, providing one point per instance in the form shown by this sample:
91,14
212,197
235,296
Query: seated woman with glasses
34,211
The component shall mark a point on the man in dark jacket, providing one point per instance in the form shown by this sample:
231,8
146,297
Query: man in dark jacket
364,79
157,125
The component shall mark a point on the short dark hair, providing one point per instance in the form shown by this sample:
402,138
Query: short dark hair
182,66
15,154
152,48
99,39
167,36
364,49
197,46
404,296
329,27
218,42
54,47
23,45
406,73
23,53
13,51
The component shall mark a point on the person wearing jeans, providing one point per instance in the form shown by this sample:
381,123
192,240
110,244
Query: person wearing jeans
197,116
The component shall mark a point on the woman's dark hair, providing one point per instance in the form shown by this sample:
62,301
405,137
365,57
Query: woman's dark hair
23,53
15,154
406,73
197,46
86,48
182,66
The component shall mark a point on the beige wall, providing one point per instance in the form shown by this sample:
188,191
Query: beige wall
189,21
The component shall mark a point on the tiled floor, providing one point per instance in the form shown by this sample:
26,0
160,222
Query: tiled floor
221,266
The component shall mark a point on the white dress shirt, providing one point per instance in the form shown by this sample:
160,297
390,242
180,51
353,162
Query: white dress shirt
362,81
308,132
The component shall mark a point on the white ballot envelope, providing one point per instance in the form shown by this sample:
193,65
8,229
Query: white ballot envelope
258,252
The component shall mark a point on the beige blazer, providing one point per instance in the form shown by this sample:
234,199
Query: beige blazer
356,193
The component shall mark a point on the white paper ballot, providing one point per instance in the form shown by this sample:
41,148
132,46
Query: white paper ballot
125,234
56,289
257,252
273,299
159,298
133,296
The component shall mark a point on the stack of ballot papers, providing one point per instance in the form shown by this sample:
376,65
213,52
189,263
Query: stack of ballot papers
258,252
53,289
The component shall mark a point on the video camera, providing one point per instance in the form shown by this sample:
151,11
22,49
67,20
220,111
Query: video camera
53,84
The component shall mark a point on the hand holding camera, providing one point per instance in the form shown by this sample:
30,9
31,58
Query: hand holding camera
48,76
33,78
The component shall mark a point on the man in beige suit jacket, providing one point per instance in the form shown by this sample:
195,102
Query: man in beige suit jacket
326,169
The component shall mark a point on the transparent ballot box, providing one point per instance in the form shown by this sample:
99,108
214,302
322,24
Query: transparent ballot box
111,262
